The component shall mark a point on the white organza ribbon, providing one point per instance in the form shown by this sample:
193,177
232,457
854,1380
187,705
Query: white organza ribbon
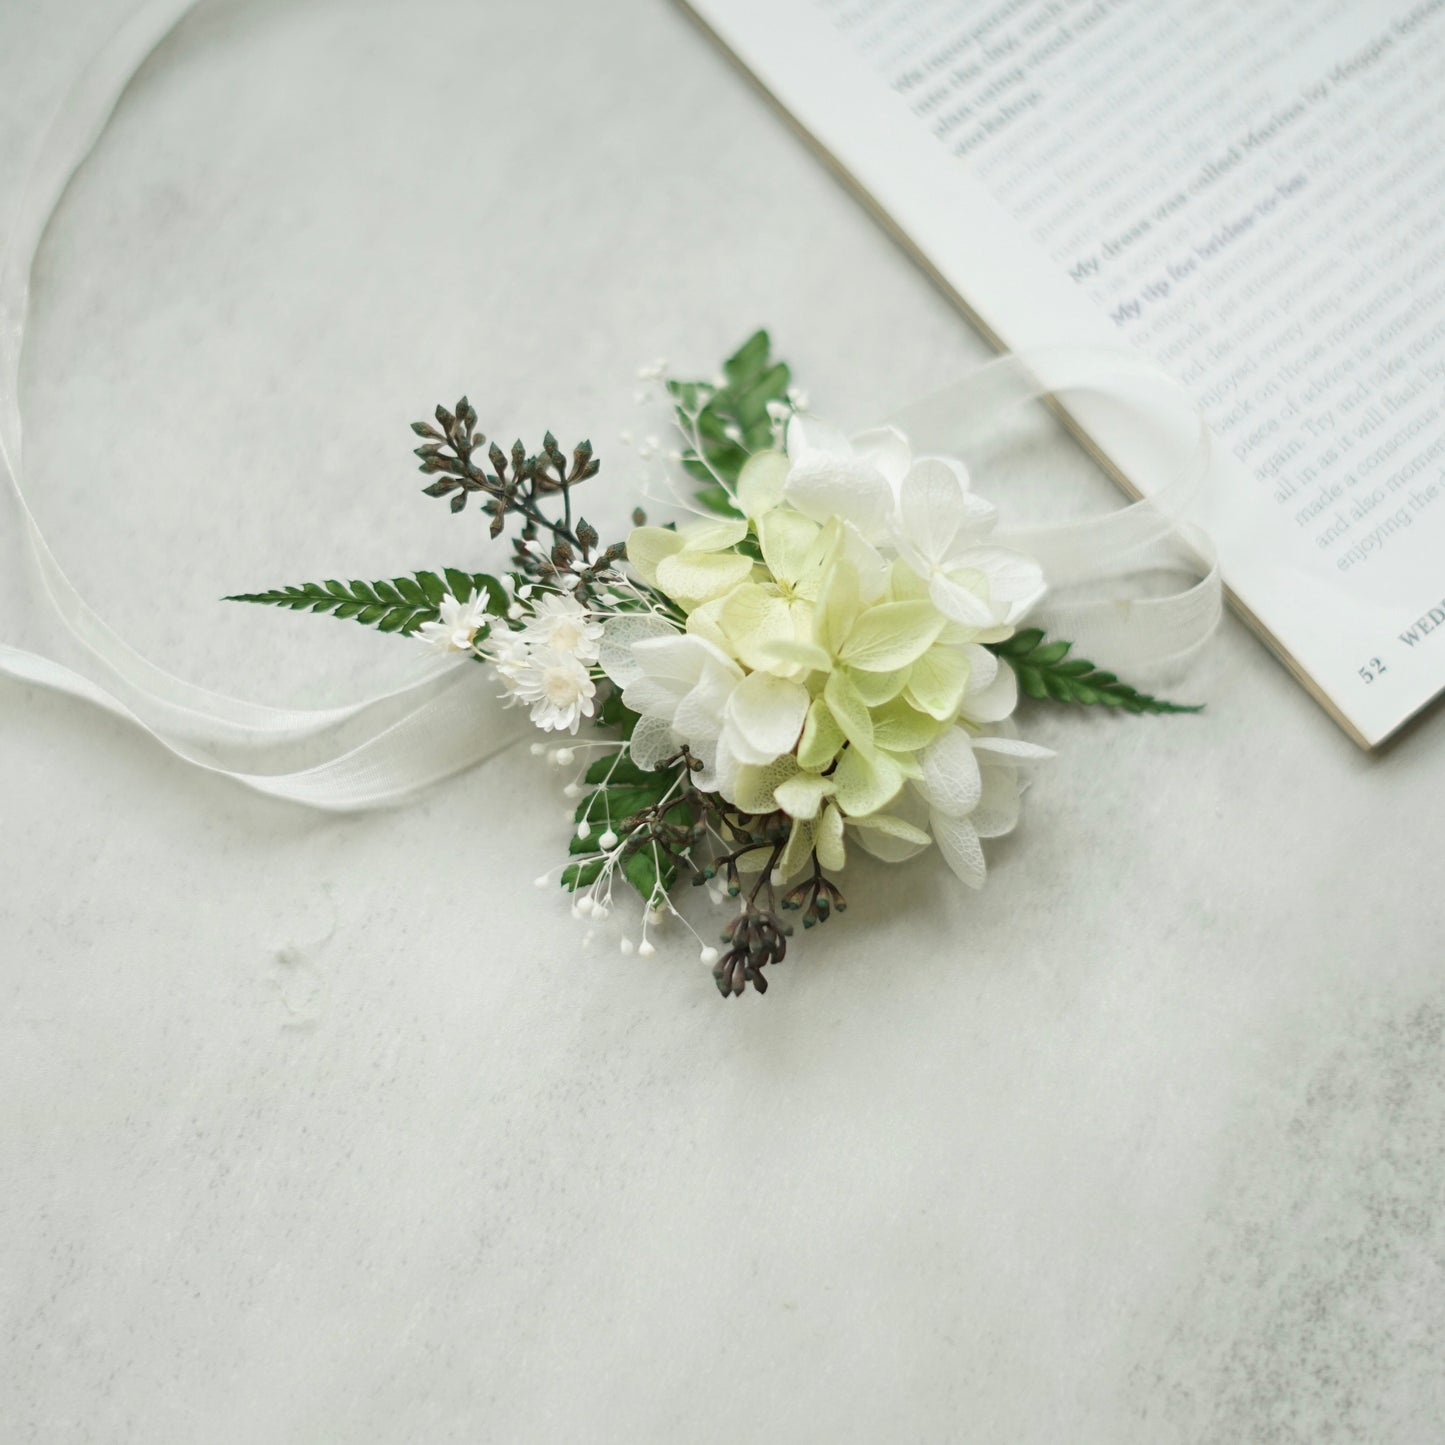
384,748
371,752
1136,588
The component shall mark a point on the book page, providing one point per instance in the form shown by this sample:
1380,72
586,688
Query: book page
1252,194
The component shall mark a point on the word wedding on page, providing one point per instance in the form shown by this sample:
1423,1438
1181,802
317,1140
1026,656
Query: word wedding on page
1250,194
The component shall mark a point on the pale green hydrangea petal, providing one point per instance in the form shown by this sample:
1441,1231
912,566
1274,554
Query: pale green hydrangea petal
761,482
850,711
798,851
903,729
647,546
890,838
876,688
828,839
890,635
790,652
865,784
755,789
789,544
713,534
802,795
938,681
692,578
822,737
752,616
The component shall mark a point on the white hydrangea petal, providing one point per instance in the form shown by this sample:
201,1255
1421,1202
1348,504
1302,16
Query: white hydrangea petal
994,702
615,655
983,666
951,780
701,712
673,654
1012,576
957,840
868,565
997,812
959,602
823,486
1013,749
768,713
931,508
980,515
886,449
653,741
654,697
812,434
761,482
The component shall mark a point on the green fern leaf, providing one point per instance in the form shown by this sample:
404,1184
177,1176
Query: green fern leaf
1046,671
399,605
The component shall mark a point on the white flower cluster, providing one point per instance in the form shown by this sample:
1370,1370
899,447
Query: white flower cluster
834,662
546,662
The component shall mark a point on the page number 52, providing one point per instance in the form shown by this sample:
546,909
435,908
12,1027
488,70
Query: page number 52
1372,669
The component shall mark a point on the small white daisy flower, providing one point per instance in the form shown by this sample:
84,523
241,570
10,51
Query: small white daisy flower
557,687
460,622
565,625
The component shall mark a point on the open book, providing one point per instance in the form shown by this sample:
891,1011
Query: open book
1251,194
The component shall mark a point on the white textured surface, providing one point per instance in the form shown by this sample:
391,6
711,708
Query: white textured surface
327,1130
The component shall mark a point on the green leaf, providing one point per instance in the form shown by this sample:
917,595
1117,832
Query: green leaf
1046,672
400,605
610,807
641,870
582,875
715,498
617,768
732,420
748,360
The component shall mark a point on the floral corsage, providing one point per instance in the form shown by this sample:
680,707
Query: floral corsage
828,656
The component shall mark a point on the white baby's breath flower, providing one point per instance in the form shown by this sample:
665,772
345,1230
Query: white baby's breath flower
557,687
459,624
565,625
